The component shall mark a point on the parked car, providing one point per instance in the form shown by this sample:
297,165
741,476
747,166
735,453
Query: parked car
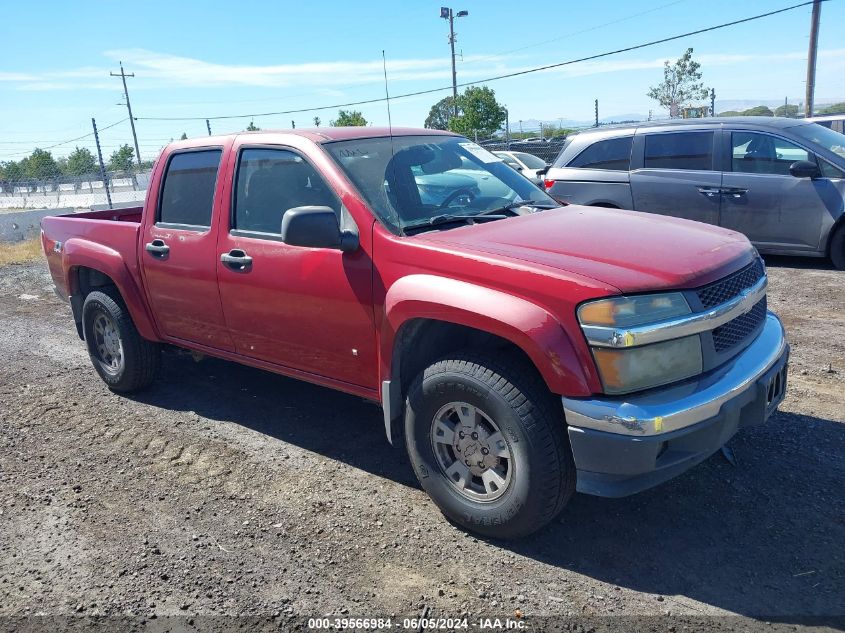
520,351
779,181
524,163
835,122
437,187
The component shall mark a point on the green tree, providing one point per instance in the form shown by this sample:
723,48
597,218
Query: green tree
12,171
349,118
836,108
478,113
81,161
440,113
184,136
681,83
40,165
788,110
122,159
317,121
730,113
252,127
759,110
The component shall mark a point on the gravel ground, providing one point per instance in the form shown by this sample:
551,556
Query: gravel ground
224,490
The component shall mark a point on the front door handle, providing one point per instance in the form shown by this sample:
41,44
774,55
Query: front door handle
237,260
157,248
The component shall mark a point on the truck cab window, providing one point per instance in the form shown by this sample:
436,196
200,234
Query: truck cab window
271,181
188,193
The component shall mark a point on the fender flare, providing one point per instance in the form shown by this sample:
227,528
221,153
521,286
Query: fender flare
527,325
78,252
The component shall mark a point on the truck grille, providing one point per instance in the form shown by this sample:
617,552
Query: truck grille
729,287
734,332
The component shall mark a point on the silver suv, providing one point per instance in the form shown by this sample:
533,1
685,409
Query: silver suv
779,181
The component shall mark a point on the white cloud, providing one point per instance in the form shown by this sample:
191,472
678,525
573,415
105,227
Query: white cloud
158,70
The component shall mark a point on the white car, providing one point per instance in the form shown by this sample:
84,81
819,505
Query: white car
524,163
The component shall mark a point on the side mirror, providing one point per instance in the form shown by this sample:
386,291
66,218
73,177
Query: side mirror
805,169
316,227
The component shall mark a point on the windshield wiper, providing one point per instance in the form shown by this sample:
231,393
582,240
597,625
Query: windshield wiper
449,218
537,204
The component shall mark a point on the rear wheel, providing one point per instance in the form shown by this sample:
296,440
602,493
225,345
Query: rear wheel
488,445
125,361
837,248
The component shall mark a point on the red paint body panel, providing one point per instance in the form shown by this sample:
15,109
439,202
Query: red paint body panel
333,318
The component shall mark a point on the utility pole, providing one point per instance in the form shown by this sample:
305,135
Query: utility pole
123,76
102,166
712,102
208,125
597,112
811,57
447,14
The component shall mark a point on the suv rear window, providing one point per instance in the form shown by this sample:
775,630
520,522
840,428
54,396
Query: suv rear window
613,154
679,150
188,192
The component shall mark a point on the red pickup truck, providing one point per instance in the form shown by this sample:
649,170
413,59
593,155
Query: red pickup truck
520,350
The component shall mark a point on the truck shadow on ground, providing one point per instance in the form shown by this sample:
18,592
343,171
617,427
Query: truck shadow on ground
763,538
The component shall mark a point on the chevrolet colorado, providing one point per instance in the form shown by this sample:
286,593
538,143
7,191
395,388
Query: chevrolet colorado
520,350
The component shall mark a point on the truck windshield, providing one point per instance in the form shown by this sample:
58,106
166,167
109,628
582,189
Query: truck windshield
409,180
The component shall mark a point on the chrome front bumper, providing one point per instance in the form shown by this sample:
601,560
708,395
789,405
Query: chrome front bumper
624,444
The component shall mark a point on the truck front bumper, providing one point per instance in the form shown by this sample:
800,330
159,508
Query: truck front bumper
623,445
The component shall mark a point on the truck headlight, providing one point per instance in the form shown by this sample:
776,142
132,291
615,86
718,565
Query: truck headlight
637,368
630,311
625,369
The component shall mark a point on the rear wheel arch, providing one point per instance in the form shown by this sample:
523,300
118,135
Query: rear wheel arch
836,243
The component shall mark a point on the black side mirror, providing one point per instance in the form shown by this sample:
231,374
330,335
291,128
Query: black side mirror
316,227
805,169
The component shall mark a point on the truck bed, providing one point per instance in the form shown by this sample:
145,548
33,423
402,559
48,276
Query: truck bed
114,230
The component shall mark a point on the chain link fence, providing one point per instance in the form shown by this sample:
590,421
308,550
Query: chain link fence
78,192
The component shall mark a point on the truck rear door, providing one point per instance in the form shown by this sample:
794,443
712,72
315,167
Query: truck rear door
309,309
179,248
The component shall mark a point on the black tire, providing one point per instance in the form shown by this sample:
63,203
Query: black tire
139,359
514,396
837,247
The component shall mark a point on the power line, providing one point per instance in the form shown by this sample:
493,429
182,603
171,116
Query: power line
72,140
518,73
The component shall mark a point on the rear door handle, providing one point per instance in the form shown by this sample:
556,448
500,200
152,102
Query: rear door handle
734,192
237,260
710,192
157,248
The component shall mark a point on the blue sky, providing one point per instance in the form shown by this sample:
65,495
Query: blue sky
199,59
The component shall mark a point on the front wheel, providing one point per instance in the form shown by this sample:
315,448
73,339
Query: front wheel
125,361
488,445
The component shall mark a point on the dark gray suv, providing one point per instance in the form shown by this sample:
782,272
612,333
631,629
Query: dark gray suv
779,181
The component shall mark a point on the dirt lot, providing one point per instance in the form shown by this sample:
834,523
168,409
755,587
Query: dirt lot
226,490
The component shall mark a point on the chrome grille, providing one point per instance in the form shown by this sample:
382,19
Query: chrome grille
729,287
734,332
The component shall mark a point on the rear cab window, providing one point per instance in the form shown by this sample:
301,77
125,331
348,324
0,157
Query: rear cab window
679,150
187,194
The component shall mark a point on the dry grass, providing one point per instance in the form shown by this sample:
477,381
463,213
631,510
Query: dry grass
20,252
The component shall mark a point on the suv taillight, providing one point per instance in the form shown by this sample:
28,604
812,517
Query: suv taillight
548,183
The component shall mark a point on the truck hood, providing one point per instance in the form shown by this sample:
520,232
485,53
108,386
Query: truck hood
628,250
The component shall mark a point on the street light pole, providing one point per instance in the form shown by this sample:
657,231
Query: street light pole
447,14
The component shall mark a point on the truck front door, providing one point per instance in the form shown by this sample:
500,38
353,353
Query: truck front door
308,309
179,249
